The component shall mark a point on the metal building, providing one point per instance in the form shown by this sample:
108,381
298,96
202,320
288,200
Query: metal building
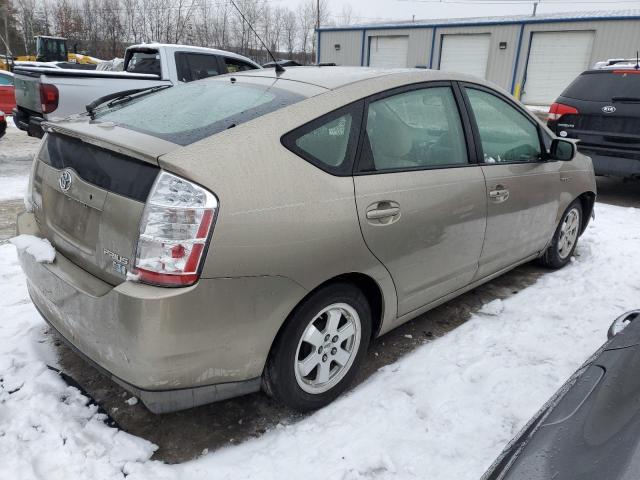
534,58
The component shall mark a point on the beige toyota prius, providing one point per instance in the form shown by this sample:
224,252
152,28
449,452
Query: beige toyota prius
256,231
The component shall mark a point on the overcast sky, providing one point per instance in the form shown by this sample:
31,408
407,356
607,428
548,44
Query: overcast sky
366,11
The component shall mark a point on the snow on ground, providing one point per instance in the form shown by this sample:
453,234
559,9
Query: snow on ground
12,188
444,411
15,161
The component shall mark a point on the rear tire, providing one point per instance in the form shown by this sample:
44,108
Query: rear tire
320,349
565,238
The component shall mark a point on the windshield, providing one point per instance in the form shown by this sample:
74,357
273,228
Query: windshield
187,113
603,86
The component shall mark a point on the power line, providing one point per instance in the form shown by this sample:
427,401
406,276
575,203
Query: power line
520,2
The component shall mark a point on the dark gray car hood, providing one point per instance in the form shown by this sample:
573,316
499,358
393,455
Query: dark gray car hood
590,429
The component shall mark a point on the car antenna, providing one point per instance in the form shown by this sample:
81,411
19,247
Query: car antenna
637,67
279,68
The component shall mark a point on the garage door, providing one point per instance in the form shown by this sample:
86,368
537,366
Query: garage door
465,54
555,59
388,52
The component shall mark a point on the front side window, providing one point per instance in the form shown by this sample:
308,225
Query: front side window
196,66
234,65
506,135
413,130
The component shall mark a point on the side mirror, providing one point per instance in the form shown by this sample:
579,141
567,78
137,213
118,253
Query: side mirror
562,150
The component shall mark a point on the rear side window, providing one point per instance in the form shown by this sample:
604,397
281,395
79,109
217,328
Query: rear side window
234,65
603,86
6,80
414,130
329,142
196,66
186,113
144,62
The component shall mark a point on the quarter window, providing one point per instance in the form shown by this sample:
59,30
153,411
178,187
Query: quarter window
506,135
413,130
328,142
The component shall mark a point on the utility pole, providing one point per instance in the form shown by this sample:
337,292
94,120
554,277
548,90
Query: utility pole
7,49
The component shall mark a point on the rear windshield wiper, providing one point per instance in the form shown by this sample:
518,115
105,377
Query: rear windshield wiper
625,99
121,97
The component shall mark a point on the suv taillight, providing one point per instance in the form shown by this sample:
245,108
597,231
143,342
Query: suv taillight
557,110
48,97
175,230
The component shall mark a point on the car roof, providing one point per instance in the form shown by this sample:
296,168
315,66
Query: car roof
4,72
332,77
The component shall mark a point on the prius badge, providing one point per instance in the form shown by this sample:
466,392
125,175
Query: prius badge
65,180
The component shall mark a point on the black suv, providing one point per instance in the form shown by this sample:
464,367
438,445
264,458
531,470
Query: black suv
601,108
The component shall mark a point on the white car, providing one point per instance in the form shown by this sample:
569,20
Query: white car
47,94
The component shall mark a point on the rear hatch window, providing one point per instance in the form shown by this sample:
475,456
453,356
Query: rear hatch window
604,86
187,113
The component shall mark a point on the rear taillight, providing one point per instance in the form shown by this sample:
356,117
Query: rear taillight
175,230
48,97
556,110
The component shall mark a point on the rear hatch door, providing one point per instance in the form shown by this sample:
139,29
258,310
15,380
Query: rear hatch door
608,104
89,191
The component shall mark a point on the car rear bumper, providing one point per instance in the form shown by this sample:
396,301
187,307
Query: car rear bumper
617,163
175,348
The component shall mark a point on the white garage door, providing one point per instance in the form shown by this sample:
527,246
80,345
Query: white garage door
465,54
388,52
555,59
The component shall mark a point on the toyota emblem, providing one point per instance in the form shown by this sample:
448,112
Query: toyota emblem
65,180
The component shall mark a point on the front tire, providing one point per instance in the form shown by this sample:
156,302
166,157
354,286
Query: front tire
320,349
565,238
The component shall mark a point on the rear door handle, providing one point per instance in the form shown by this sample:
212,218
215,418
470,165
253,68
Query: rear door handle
383,212
499,194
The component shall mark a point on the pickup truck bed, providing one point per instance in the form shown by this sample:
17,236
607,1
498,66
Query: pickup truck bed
73,88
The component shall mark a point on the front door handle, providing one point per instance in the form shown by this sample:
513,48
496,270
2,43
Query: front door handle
378,214
499,194
384,212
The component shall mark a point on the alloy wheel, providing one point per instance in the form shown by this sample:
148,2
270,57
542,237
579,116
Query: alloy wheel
327,348
568,233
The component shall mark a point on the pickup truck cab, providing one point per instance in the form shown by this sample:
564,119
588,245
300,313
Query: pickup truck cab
46,94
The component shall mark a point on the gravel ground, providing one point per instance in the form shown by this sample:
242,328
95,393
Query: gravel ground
184,435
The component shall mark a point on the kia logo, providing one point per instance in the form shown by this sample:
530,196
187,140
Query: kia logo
65,180
609,109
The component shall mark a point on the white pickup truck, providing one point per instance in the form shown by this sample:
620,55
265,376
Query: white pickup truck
50,94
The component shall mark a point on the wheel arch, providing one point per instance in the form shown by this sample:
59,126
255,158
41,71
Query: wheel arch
587,201
369,287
